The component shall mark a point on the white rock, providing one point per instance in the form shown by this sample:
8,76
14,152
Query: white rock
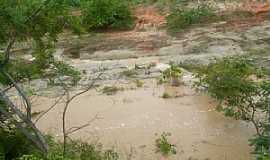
123,125
162,67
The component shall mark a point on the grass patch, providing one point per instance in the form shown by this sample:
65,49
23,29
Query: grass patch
130,73
111,90
139,83
166,95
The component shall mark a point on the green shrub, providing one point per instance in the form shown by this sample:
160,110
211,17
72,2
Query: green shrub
139,83
261,146
172,75
103,14
166,95
74,3
180,19
76,150
64,69
163,146
20,70
28,157
13,144
130,73
111,90
173,72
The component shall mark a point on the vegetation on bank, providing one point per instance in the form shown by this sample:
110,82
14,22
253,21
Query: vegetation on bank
97,14
180,19
243,93
163,145
14,146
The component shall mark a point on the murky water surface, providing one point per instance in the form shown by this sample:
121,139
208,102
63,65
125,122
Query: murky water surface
130,120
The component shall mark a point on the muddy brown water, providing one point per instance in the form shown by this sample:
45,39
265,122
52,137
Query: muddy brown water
131,119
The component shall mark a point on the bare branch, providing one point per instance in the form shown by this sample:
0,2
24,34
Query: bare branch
75,129
19,125
87,88
21,93
39,140
7,89
49,109
69,99
7,52
24,119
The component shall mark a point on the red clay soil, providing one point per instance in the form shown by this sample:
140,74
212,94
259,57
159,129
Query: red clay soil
148,16
257,7
240,24
258,11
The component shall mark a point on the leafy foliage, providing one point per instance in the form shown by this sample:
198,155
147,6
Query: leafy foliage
180,19
13,145
164,146
172,74
242,95
23,19
74,3
39,21
62,69
174,71
166,95
261,145
105,14
22,70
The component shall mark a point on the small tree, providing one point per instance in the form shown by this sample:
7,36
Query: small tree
242,95
37,22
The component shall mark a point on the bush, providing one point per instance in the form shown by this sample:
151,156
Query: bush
166,95
139,83
111,90
13,146
74,3
172,75
163,146
104,14
130,73
181,19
